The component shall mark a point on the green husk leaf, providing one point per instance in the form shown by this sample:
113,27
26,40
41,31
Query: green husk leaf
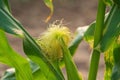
89,34
34,52
72,72
37,74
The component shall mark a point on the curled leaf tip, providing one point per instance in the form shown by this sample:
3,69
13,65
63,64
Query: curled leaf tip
49,4
49,17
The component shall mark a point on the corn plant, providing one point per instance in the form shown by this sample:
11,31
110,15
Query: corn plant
53,50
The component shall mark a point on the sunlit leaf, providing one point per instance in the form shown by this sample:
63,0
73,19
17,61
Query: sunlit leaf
5,5
89,34
37,74
9,74
109,62
77,39
9,24
9,57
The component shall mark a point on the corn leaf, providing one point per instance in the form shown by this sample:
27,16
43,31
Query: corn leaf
49,4
77,39
116,67
5,4
13,59
86,33
9,74
112,29
71,69
108,2
117,2
37,74
9,24
109,62
89,34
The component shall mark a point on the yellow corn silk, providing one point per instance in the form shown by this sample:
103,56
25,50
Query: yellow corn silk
49,41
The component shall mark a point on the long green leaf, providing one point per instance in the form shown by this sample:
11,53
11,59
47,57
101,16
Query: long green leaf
9,24
5,5
89,34
112,29
32,51
9,74
116,67
37,74
80,33
72,72
13,59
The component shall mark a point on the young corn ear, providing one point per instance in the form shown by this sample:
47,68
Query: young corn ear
49,41
54,43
